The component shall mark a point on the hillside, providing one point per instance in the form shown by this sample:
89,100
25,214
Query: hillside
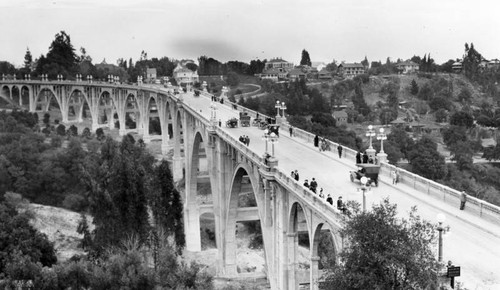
60,227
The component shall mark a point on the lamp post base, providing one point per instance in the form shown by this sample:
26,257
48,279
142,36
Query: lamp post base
382,157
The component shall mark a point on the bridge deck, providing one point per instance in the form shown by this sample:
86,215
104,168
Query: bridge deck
473,243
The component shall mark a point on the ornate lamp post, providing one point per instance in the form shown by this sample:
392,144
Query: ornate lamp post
370,133
440,218
382,156
213,113
278,107
364,188
273,139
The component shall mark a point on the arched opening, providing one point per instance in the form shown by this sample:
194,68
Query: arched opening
132,114
245,247
200,174
299,243
170,128
76,106
5,101
207,231
106,110
46,102
153,119
16,95
180,136
25,96
325,250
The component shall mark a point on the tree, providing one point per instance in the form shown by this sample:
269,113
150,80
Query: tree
462,154
414,87
305,59
233,79
388,115
425,93
465,96
359,102
386,252
61,58
441,115
28,60
166,204
462,119
454,134
117,183
365,62
426,160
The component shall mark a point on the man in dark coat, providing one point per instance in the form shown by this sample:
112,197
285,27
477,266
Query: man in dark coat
358,157
313,185
365,157
316,141
339,148
329,199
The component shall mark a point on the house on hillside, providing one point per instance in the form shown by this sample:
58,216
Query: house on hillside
492,64
350,70
457,67
407,67
274,74
278,63
297,74
150,74
184,76
318,65
340,117
324,74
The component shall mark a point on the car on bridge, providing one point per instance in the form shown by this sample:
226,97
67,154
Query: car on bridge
367,170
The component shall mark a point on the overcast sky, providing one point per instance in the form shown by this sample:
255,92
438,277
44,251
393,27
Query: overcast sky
344,30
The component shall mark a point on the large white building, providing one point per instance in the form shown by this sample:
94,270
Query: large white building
185,76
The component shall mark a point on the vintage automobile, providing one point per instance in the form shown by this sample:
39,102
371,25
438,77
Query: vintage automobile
244,119
232,123
273,128
367,170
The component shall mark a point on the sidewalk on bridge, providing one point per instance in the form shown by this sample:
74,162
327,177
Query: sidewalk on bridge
465,216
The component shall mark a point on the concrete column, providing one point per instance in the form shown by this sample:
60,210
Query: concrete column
314,273
292,240
192,227
382,157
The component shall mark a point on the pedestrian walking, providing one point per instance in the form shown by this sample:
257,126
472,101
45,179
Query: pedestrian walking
220,123
329,199
394,177
316,141
463,199
293,174
358,157
397,176
248,140
291,131
339,149
296,175
306,184
365,157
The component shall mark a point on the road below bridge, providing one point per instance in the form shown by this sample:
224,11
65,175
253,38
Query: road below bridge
473,243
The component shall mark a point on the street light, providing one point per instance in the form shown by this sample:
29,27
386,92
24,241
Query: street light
363,188
440,218
280,106
213,112
370,133
381,136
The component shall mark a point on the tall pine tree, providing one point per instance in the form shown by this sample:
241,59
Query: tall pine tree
305,59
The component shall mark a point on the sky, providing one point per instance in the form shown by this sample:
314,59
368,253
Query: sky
245,30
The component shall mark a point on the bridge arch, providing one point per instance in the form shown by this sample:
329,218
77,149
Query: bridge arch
46,98
324,251
25,96
77,105
106,109
132,112
299,226
5,94
243,181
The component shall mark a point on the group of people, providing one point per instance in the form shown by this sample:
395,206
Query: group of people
295,175
244,139
321,143
395,176
365,158
313,185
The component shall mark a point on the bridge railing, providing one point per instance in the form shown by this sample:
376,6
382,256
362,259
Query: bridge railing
320,203
445,193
